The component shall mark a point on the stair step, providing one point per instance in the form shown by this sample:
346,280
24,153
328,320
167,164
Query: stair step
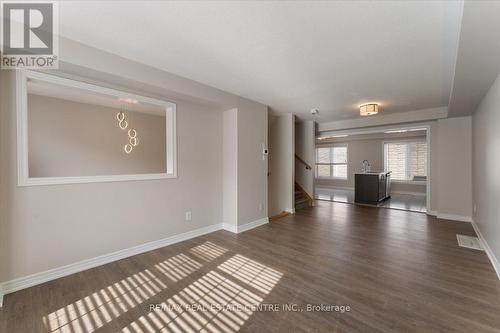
301,200
301,205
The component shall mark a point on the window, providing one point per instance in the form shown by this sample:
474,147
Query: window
406,160
331,162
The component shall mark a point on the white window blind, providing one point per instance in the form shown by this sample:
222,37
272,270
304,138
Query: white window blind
331,162
406,160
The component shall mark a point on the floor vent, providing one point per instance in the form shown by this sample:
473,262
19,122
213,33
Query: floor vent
469,242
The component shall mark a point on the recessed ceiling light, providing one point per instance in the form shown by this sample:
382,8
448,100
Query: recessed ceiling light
369,109
396,131
333,136
129,100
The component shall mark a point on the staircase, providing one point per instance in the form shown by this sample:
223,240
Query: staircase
302,199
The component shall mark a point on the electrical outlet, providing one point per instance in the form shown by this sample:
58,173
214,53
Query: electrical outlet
261,206
188,216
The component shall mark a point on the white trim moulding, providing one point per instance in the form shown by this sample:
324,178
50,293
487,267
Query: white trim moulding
22,78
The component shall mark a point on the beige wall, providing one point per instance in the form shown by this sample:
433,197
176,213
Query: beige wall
486,175
454,174
252,167
77,139
433,172
5,104
51,226
244,167
45,227
230,167
281,163
305,137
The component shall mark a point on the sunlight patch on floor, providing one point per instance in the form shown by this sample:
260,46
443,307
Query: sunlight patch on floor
212,303
208,251
178,267
251,272
93,311
221,300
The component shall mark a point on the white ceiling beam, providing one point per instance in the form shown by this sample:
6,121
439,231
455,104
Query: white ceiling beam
390,119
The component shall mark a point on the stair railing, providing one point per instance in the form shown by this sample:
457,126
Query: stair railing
308,167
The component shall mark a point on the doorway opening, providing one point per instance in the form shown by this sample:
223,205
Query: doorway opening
395,161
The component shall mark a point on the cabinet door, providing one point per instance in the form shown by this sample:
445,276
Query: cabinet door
381,187
388,185
366,189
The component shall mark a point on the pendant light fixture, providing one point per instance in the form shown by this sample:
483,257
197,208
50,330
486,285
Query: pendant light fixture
133,140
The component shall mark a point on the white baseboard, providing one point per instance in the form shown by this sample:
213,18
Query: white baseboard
55,273
244,227
493,259
454,217
290,210
230,227
451,217
418,194
254,224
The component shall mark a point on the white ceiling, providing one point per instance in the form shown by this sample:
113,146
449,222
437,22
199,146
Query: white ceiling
292,56
478,62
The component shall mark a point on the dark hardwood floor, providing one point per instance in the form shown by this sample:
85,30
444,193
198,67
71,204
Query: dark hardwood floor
397,271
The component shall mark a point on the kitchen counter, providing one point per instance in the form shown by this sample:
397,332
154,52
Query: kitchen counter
372,187
372,172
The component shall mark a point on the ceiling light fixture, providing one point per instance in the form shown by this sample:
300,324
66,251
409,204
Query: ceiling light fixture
132,136
128,148
122,123
369,109
132,133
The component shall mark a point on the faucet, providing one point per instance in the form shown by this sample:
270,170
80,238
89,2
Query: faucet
366,166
